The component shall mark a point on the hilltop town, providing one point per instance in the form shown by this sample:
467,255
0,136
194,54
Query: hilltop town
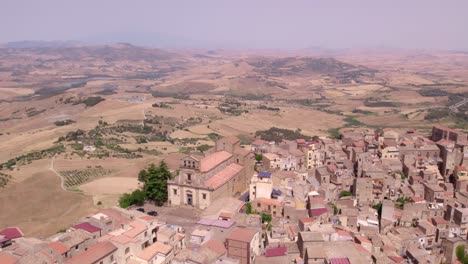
233,132
124,154
369,196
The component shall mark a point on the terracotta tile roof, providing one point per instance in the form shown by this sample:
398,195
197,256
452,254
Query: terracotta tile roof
242,234
339,261
398,214
306,220
316,251
332,167
148,218
11,232
387,248
259,142
291,232
343,233
6,258
361,248
118,218
71,239
269,201
396,259
87,227
444,142
134,261
241,151
151,251
390,142
223,176
93,254
359,143
446,128
21,251
300,141
417,199
215,246
212,161
317,212
438,221
270,156
316,201
58,247
296,153
137,228
276,252
226,215
121,239
361,239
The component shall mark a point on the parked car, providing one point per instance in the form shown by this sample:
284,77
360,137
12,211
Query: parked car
141,210
153,213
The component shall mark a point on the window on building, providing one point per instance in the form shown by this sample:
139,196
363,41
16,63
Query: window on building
189,177
204,196
112,258
258,204
175,191
127,250
76,247
146,234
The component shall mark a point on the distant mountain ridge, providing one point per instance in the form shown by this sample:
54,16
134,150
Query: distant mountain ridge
28,44
73,50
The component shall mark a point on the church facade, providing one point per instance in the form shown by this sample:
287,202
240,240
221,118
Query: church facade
225,171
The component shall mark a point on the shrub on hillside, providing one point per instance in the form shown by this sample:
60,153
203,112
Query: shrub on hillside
137,197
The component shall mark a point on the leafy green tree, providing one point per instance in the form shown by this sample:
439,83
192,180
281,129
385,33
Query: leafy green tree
258,157
248,208
136,197
335,209
378,207
266,218
345,193
156,182
203,148
460,253
142,175
401,201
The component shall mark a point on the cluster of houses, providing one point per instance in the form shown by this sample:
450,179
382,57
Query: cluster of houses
109,236
396,196
369,197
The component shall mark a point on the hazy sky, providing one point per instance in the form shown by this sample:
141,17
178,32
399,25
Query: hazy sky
286,24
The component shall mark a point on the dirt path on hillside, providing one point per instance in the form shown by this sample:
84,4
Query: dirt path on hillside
62,180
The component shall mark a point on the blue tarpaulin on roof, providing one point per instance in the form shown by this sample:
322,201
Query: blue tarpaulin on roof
264,174
276,192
